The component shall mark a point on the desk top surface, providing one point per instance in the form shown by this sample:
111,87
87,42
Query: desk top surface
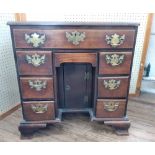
71,24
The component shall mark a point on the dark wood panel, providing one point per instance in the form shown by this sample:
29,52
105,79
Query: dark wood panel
110,108
38,110
75,58
34,62
76,89
115,62
36,92
94,38
119,90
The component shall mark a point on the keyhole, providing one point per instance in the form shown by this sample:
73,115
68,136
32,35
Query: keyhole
67,87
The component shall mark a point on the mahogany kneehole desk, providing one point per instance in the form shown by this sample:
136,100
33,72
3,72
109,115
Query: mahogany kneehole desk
73,67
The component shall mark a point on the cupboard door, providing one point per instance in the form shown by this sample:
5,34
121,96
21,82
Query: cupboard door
77,83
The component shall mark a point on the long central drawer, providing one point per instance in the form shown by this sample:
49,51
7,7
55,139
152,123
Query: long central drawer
74,38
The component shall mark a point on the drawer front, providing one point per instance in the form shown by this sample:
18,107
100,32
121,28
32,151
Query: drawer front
112,87
36,87
75,58
110,108
74,38
34,62
115,62
38,110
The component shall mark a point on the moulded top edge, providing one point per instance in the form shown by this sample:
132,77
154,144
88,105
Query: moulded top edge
72,24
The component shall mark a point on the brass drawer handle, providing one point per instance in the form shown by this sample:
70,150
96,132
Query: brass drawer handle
38,85
115,40
36,60
114,59
39,108
112,84
35,39
111,106
75,37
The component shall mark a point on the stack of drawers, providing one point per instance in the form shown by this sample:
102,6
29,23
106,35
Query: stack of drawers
40,51
36,84
113,83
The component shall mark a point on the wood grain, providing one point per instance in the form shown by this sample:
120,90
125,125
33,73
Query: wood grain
26,68
123,68
75,58
95,38
31,93
121,91
101,112
30,115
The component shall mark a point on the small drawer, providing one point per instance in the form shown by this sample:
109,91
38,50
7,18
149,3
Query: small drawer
74,38
38,110
110,108
75,58
109,87
34,62
36,87
115,62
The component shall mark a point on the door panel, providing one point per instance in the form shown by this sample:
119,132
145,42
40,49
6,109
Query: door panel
77,85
